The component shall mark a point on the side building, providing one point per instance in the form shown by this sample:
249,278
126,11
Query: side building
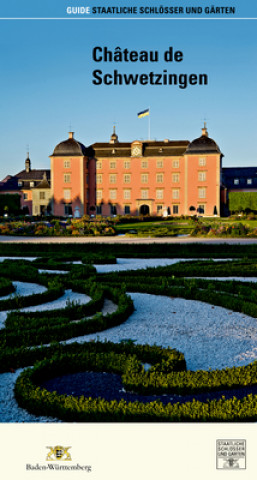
239,189
24,183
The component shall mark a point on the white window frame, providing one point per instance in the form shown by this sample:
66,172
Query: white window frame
202,192
159,194
127,178
202,161
144,194
175,178
175,193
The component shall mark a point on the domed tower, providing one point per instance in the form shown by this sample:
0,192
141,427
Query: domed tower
203,176
73,178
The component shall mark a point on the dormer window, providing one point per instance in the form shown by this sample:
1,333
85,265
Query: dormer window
31,184
249,181
20,183
136,149
236,181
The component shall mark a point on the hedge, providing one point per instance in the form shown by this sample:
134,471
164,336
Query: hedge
39,401
71,322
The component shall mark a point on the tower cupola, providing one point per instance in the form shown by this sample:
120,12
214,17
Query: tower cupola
114,136
27,164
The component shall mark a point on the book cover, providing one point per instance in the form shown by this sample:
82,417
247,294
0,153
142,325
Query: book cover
145,71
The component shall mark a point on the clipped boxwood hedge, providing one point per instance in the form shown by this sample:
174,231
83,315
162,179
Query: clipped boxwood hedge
6,287
32,329
39,401
164,376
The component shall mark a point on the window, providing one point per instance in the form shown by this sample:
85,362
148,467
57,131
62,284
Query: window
202,162
98,209
98,165
201,192
42,195
175,164
127,164
113,194
175,177
25,196
159,164
249,181
113,210
66,163
20,183
159,194
99,178
175,209
113,178
127,194
236,181
159,209
127,178
201,209
99,194
67,178
112,164
144,194
31,184
67,194
159,178
144,178
127,210
201,176
67,209
144,164
175,194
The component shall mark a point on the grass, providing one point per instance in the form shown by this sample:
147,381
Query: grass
173,226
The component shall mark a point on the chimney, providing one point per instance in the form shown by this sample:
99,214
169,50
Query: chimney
71,134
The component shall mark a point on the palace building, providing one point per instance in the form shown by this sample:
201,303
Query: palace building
142,177
148,177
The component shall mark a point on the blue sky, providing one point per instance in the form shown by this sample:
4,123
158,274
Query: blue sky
46,82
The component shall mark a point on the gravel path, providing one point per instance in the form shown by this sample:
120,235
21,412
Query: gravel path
125,264
23,289
209,336
9,409
126,240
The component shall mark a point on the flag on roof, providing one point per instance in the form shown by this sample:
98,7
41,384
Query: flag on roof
143,113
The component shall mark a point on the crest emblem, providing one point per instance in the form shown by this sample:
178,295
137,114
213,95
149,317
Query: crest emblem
58,453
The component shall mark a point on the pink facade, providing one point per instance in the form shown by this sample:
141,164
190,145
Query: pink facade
72,179
156,178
